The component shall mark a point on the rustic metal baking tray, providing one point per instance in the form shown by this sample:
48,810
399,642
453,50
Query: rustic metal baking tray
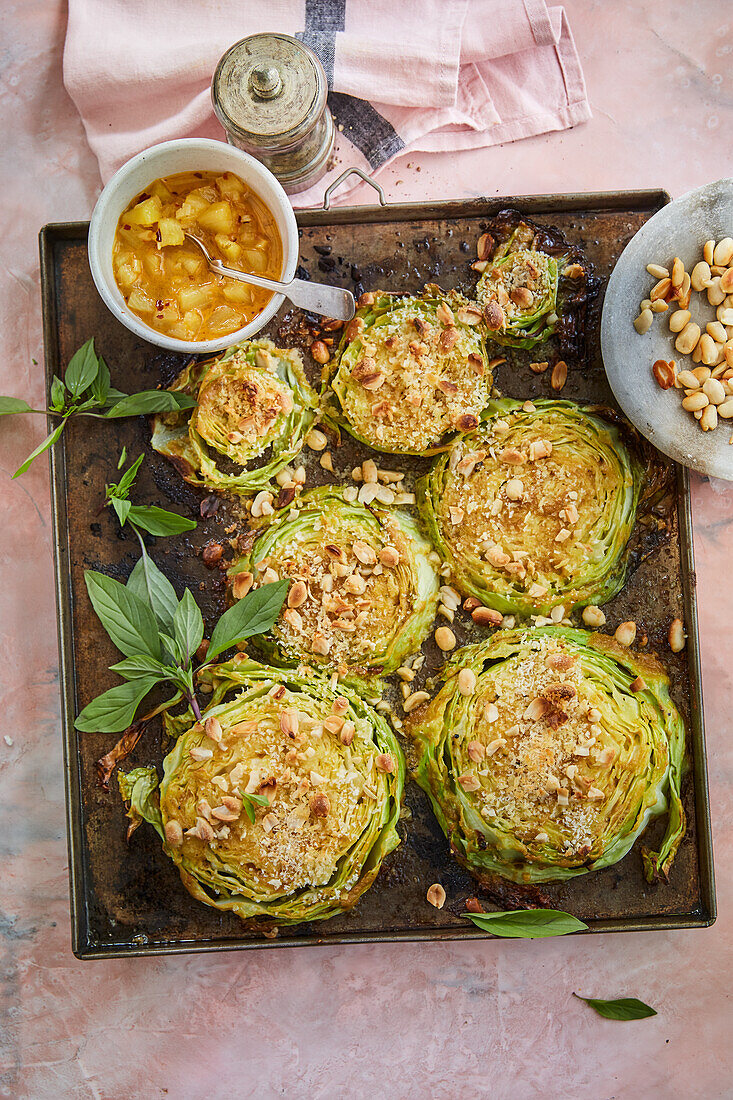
127,899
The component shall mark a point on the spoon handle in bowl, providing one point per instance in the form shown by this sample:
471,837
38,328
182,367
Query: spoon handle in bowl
327,301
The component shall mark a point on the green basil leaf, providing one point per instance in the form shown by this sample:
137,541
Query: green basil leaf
158,521
113,396
173,648
82,369
254,614
134,668
48,442
58,394
122,459
150,401
129,621
527,924
13,405
126,481
249,801
625,1008
100,385
188,626
153,587
115,710
122,508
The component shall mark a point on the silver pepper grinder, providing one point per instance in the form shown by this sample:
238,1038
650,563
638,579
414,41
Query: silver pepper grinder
269,93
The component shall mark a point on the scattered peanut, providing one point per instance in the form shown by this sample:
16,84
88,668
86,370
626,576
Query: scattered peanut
560,371
320,352
660,289
679,319
643,322
436,893
664,373
688,338
466,681
173,833
713,390
717,331
484,246
625,633
723,252
695,401
657,271
593,616
716,294
486,616
415,700
676,636
709,418
708,350
445,639
678,272
316,440
687,380
700,276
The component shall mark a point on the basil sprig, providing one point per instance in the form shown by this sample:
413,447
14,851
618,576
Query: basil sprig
159,636
86,390
527,924
148,517
624,1008
249,801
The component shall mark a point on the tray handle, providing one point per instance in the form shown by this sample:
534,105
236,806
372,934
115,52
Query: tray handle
344,175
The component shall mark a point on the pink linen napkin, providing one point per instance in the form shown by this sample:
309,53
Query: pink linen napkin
422,75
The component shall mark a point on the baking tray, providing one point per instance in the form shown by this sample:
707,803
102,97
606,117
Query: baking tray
127,899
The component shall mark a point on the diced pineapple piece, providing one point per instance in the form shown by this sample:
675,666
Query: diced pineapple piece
153,264
193,264
229,186
179,331
193,321
237,292
170,232
224,319
254,260
196,297
146,212
230,250
219,218
160,189
135,237
126,275
168,313
193,205
140,302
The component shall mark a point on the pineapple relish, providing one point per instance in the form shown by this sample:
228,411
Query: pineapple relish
165,279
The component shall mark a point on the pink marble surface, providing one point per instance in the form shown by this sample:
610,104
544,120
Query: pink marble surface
492,1019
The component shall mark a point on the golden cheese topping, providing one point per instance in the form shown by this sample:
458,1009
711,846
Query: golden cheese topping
319,791
541,501
537,750
239,404
346,597
413,377
518,285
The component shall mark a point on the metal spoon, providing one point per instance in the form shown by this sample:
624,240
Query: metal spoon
328,301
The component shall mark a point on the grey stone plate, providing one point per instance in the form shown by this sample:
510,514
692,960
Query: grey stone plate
679,229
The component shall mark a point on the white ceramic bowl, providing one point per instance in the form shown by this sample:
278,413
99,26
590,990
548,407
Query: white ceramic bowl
185,155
